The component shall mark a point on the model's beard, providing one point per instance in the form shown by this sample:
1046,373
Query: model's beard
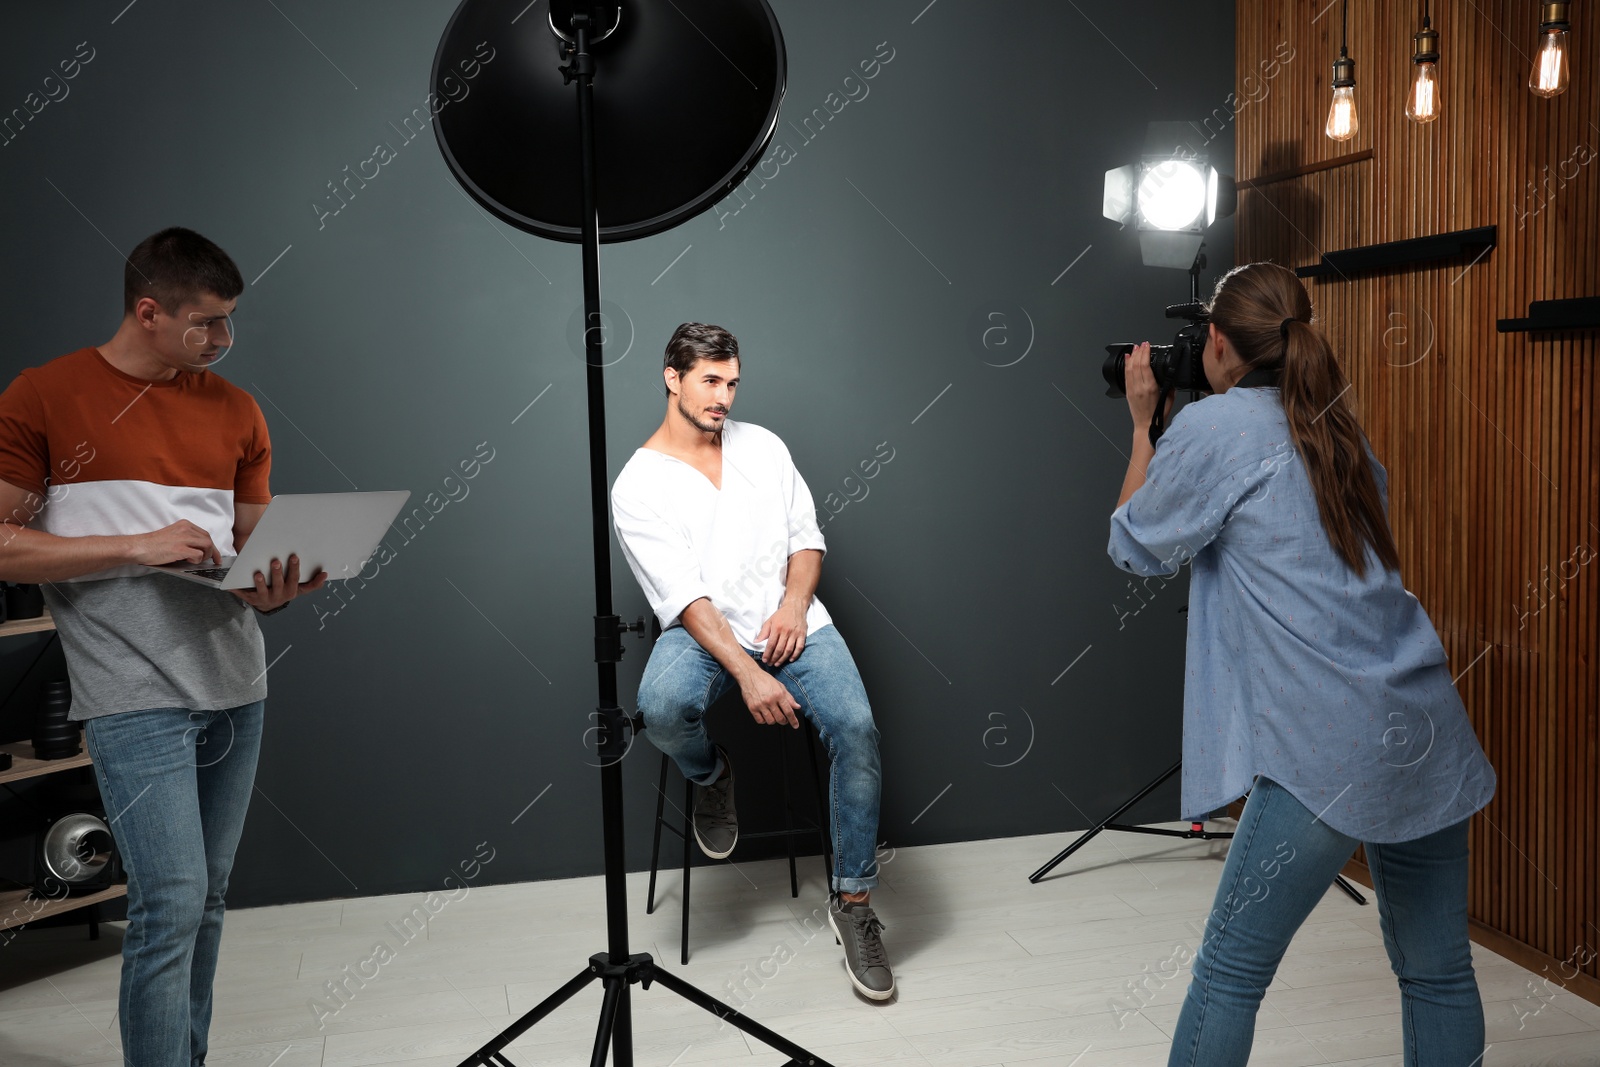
706,426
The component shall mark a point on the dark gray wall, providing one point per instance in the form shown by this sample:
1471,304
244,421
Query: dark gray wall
387,342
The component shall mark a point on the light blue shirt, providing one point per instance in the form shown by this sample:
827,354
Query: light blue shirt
1334,686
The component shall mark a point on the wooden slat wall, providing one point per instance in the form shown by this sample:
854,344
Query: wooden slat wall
1490,439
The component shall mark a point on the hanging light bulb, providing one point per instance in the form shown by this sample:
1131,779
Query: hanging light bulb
1342,122
1550,66
1422,105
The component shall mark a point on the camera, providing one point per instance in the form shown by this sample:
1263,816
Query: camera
1176,366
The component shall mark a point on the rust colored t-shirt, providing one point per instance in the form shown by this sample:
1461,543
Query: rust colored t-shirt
115,454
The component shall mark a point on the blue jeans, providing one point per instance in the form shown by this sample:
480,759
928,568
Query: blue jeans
1281,863
176,784
682,680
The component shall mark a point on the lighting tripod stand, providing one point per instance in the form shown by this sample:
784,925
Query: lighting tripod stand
499,146
1196,832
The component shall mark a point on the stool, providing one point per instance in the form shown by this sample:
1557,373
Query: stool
685,829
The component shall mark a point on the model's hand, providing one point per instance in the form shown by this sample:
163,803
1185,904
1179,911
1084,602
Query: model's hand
1141,387
769,702
784,634
281,588
182,542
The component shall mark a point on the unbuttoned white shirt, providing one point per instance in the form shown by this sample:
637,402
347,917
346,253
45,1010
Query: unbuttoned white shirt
685,539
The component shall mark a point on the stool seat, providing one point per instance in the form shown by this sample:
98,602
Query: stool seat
684,829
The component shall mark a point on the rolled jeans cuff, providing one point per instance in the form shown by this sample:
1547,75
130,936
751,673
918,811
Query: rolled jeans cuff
855,885
716,772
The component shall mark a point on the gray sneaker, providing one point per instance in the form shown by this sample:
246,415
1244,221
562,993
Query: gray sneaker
856,927
716,823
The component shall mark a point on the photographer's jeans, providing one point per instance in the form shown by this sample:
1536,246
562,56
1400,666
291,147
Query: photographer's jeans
176,784
682,680
1281,863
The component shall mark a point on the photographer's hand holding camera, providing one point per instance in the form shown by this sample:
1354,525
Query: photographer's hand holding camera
1313,679
1143,396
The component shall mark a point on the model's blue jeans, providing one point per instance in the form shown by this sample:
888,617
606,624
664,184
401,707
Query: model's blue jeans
682,680
176,784
1281,862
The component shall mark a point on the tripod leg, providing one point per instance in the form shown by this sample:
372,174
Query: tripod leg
1089,834
615,987
486,1056
796,1054
1355,894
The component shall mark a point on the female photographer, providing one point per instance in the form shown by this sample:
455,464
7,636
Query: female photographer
1314,680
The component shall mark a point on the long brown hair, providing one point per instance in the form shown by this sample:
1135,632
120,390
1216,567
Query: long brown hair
1250,306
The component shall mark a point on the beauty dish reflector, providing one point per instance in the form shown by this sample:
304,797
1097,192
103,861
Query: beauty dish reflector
686,97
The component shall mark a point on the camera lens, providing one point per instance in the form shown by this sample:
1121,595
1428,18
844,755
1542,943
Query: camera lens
54,736
1112,369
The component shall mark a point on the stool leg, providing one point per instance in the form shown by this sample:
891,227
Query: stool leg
655,847
788,814
824,820
688,843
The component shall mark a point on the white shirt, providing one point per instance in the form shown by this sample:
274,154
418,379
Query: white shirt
685,539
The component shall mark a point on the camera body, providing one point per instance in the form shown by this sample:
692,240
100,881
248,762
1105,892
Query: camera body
1176,366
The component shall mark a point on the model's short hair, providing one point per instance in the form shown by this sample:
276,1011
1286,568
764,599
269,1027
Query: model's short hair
175,266
695,341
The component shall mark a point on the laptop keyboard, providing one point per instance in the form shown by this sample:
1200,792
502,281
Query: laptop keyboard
214,573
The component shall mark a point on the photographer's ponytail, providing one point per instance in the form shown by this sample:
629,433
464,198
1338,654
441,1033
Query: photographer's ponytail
1264,312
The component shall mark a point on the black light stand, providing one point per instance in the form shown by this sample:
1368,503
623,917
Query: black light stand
1196,832
1195,268
616,969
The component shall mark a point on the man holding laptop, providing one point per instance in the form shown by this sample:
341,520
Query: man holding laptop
113,459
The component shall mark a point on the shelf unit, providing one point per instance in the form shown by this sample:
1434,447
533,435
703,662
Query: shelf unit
1552,316
18,906
25,765
1394,255
13,627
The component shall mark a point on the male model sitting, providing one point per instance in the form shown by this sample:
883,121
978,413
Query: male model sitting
721,533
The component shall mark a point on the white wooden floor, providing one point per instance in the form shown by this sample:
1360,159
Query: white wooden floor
991,970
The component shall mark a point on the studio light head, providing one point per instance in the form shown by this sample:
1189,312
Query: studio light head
1171,196
604,16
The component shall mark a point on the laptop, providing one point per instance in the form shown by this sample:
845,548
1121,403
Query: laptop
334,532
